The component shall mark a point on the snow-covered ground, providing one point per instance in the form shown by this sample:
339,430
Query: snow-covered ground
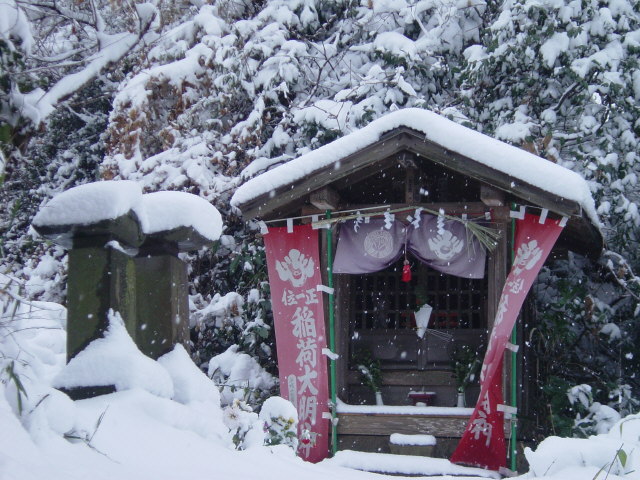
165,421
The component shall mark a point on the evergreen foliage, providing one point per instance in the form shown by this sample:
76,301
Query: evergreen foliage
465,362
560,79
369,369
581,339
234,264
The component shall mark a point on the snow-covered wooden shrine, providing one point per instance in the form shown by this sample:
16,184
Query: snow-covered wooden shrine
415,171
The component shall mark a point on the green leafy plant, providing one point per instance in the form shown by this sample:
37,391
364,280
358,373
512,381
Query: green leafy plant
581,340
236,265
619,458
85,436
560,413
422,296
369,368
239,418
465,362
281,431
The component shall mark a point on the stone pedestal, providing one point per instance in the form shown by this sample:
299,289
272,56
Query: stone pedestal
100,278
101,275
162,304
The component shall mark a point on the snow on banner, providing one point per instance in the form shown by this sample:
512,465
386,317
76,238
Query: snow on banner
294,275
483,441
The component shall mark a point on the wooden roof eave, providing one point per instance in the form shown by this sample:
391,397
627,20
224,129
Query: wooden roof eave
393,142
581,236
277,199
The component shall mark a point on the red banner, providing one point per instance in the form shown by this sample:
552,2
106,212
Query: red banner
294,275
483,442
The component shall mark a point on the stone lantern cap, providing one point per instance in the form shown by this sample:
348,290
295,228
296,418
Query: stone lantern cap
117,210
109,210
180,221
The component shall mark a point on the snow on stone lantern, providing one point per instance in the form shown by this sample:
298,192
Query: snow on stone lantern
123,257
176,222
101,225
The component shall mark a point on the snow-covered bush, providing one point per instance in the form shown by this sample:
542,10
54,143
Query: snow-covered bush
233,320
280,419
590,417
64,155
32,347
603,455
243,315
240,377
244,425
585,344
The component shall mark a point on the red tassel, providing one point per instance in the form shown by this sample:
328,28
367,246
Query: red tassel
406,272
305,437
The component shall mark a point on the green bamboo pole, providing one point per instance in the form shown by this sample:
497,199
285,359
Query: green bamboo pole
514,364
332,339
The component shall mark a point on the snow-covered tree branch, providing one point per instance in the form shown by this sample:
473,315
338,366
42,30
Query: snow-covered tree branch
68,44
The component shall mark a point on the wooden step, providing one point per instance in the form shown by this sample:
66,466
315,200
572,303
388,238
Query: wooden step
405,465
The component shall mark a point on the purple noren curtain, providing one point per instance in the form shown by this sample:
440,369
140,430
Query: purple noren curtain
444,245
449,248
369,249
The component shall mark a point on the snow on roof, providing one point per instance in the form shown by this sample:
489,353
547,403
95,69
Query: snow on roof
493,153
169,210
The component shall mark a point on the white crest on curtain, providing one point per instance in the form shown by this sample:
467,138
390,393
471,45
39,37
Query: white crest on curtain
446,245
295,268
527,256
378,243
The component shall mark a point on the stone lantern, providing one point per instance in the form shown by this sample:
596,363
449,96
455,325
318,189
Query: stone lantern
123,256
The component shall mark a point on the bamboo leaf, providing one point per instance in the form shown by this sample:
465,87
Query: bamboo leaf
622,456
20,390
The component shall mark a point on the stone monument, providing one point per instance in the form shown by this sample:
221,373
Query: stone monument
123,256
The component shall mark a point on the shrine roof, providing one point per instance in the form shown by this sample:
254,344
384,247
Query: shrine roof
431,137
